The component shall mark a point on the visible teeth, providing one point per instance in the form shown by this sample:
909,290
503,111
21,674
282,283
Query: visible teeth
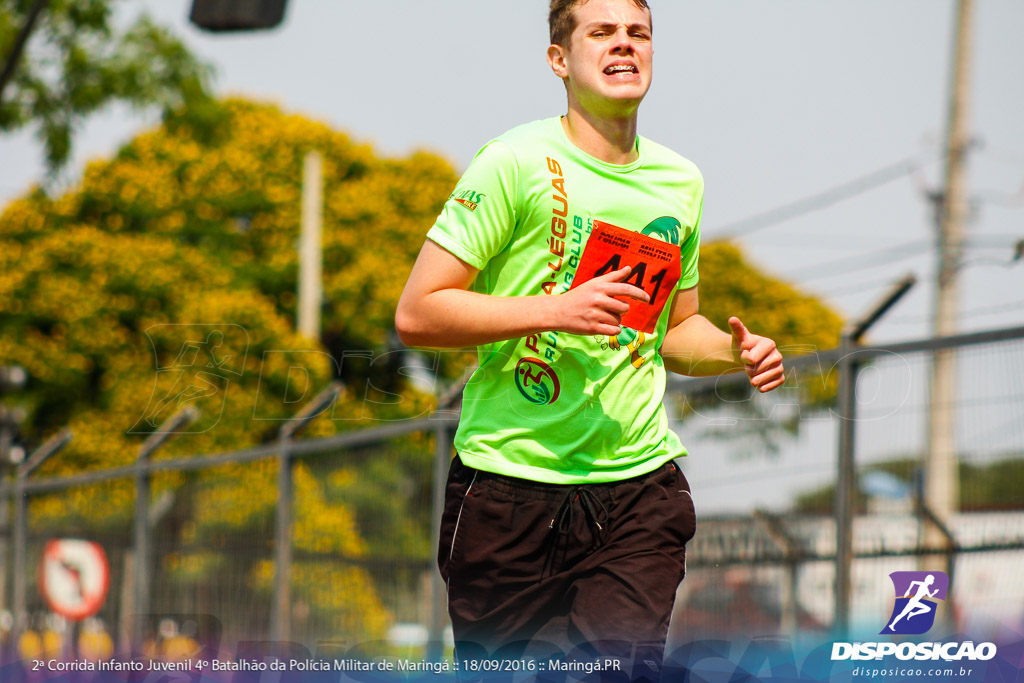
622,68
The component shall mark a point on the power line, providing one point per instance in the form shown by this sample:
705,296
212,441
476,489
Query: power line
973,313
798,241
862,261
899,252
1009,158
991,241
861,287
815,202
1012,200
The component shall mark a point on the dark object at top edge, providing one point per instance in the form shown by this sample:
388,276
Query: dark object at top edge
237,15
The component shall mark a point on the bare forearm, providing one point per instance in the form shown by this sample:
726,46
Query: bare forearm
437,309
454,318
697,348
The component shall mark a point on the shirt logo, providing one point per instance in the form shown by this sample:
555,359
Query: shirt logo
468,198
537,381
917,596
665,228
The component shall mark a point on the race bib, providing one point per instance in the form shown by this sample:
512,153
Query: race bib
655,269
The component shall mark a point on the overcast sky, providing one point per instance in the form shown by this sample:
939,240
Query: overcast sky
774,101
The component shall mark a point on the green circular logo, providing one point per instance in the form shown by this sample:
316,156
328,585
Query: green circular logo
537,381
665,228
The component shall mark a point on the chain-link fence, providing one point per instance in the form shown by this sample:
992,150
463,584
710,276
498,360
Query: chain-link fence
778,572
329,543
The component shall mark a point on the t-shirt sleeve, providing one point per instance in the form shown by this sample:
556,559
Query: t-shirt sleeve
689,252
480,216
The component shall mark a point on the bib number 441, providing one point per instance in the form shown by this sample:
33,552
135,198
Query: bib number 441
654,264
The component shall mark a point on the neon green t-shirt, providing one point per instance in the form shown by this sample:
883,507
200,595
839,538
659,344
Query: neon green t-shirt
557,407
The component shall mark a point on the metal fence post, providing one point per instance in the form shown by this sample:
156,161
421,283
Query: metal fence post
140,526
280,625
789,621
449,406
846,475
52,445
11,378
6,530
280,613
18,602
443,445
950,545
845,483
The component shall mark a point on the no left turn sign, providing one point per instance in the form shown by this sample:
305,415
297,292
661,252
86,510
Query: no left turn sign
74,577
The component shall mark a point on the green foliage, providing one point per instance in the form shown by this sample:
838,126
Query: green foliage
731,285
997,486
177,231
109,295
77,62
238,201
389,488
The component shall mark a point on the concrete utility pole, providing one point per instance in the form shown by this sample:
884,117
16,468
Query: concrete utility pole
941,477
310,248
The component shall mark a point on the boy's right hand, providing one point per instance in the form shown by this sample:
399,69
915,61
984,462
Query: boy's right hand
596,306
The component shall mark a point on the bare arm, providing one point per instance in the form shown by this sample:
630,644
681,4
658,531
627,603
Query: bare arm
437,310
693,346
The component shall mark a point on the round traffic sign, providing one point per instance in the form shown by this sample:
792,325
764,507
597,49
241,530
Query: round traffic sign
74,577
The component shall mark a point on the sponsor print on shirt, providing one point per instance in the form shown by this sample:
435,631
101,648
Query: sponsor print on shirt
559,226
665,228
468,198
653,254
559,262
537,381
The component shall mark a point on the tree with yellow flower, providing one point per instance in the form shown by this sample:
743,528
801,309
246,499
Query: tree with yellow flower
168,278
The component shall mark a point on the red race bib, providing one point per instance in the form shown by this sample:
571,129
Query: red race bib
655,269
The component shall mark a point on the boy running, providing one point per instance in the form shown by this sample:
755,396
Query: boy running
566,518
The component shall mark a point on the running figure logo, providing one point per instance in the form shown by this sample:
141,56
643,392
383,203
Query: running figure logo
917,596
537,381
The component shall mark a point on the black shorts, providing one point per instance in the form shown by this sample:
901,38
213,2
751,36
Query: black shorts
566,565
